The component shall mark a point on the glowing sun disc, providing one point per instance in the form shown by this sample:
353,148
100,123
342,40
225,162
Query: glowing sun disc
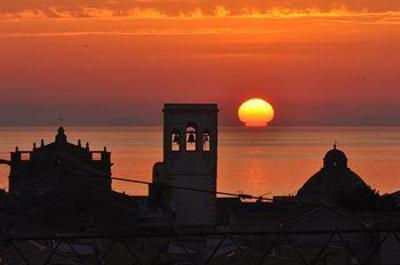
256,112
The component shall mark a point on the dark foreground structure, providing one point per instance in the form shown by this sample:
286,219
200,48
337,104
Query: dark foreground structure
61,209
58,165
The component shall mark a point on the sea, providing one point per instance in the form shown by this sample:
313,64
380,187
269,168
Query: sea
263,162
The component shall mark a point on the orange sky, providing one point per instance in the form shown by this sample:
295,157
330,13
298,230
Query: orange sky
116,62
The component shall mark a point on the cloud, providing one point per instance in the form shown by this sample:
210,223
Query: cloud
152,17
26,9
218,12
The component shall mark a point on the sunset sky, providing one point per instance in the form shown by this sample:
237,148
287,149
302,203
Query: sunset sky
318,62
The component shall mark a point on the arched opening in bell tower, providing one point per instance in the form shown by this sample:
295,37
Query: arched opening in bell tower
191,138
206,142
175,141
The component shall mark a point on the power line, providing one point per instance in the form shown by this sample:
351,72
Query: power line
241,196
238,195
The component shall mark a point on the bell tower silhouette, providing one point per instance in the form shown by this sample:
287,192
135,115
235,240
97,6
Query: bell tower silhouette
190,161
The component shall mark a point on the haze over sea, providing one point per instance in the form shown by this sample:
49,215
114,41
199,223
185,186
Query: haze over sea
274,160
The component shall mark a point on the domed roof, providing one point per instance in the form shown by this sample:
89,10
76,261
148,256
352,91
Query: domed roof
335,159
335,154
335,177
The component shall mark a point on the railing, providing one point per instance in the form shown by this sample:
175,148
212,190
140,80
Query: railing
307,247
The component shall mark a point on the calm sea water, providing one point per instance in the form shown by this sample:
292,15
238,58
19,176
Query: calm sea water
261,161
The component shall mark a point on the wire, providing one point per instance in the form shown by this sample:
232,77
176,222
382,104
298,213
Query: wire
241,196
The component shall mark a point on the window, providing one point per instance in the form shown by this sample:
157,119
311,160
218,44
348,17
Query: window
206,142
191,138
96,156
175,142
25,156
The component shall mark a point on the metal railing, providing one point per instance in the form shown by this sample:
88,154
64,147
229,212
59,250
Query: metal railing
306,247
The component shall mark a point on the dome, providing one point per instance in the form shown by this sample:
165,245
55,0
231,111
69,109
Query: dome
335,177
335,159
326,185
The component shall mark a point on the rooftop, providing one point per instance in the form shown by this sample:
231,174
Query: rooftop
189,107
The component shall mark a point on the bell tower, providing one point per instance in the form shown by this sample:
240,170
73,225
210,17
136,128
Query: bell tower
190,161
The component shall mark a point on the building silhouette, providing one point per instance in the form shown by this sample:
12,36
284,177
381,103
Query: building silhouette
65,189
333,179
190,160
58,165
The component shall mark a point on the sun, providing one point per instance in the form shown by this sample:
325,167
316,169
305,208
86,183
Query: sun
256,112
